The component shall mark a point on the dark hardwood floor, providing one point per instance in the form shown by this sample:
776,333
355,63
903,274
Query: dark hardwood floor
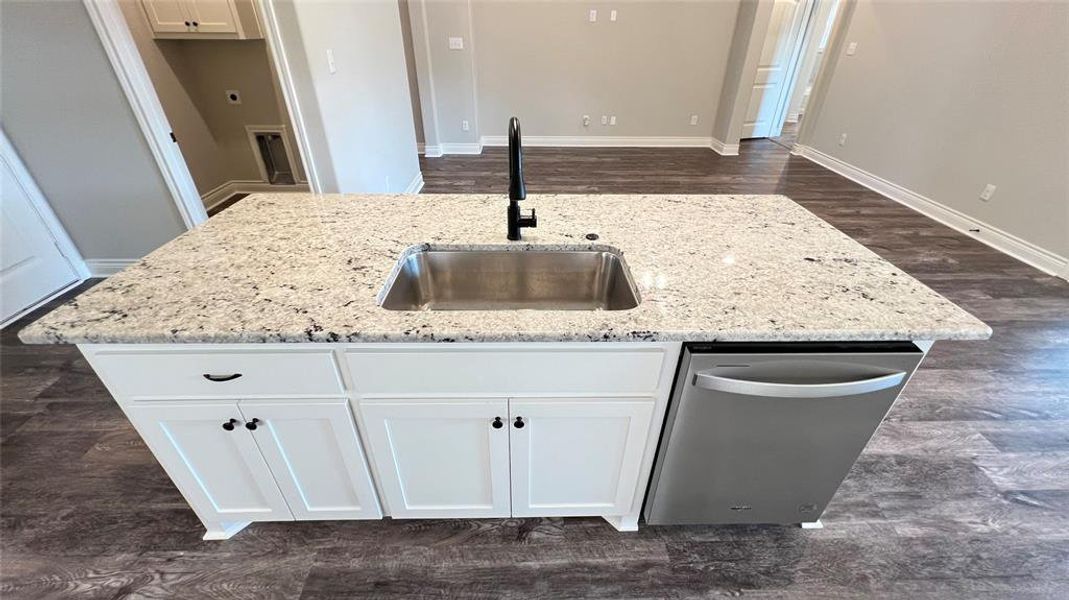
964,492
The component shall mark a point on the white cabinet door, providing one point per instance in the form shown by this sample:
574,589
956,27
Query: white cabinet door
576,457
167,16
314,453
213,16
441,458
219,471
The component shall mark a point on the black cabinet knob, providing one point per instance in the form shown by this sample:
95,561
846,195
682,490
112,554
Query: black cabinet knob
195,23
188,23
229,425
519,423
251,425
497,424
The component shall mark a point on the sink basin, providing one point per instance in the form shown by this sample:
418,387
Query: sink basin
509,280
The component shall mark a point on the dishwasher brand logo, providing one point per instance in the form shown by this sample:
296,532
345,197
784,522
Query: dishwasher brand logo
742,507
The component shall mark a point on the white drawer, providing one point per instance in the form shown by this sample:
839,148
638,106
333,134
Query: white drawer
181,374
452,369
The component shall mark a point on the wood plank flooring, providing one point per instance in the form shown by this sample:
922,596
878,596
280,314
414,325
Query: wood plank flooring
964,493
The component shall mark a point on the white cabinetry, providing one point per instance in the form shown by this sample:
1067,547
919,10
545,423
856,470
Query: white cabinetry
205,19
576,457
446,458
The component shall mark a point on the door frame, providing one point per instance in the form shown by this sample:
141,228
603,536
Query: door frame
10,157
119,45
801,28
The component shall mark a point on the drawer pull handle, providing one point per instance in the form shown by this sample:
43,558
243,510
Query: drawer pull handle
230,377
251,425
229,425
519,423
497,424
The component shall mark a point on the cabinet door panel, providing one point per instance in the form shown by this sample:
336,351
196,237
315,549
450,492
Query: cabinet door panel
440,459
315,455
576,458
213,16
220,472
167,16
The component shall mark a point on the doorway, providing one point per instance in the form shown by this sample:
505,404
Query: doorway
791,56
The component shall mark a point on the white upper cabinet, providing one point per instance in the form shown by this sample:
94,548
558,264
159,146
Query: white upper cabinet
447,458
314,453
205,19
213,460
576,457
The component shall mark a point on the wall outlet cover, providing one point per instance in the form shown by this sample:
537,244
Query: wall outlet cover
465,125
842,139
851,49
989,191
456,43
694,119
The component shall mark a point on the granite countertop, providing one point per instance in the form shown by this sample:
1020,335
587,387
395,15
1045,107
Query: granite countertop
310,268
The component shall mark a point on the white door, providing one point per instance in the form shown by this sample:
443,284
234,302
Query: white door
314,453
446,458
167,16
31,264
218,469
213,16
773,70
576,457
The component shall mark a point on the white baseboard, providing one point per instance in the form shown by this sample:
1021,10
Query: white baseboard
240,186
415,185
603,141
460,148
723,149
105,267
1000,240
432,151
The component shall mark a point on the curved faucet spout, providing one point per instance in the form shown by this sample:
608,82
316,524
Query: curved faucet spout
517,189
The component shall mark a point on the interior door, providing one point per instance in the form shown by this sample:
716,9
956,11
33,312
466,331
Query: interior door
218,469
314,453
213,16
576,457
769,88
436,459
167,16
31,265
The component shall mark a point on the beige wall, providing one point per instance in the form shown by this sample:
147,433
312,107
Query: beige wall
658,64
943,98
359,120
65,113
191,77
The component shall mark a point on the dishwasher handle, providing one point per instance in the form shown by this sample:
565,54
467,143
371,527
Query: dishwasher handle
747,387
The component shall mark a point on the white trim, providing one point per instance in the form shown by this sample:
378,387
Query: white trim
130,71
40,205
462,148
432,151
273,36
106,267
723,149
29,309
602,141
225,190
474,71
283,132
415,185
1000,240
430,77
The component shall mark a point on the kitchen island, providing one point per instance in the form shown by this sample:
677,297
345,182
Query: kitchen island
254,357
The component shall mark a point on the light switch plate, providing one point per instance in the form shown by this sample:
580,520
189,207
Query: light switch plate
333,68
456,43
612,15
593,15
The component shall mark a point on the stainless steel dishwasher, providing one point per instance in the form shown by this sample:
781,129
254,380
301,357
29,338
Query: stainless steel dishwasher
765,433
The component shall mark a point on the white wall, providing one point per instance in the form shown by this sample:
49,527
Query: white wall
942,98
653,68
359,119
65,113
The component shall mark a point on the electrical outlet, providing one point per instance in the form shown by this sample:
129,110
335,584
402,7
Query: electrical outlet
465,125
586,120
694,119
851,49
612,120
604,119
989,191
612,15
333,68
842,139
593,15
233,97
456,43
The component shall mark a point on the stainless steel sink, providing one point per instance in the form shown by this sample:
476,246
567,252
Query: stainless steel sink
508,280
